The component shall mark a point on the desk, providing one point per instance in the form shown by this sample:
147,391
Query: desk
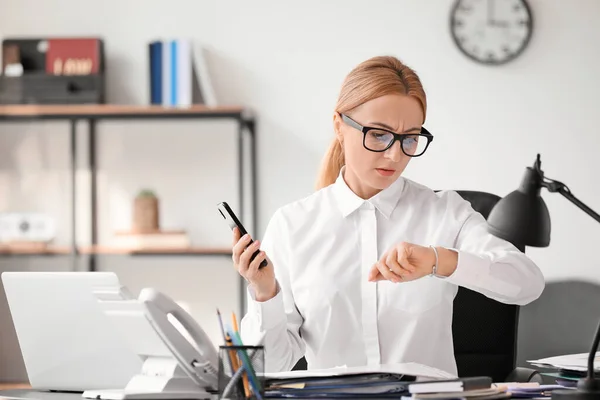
6,386
23,394
27,394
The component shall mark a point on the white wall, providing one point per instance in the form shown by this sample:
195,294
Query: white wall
286,60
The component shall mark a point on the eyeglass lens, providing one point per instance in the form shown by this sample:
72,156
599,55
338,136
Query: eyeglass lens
413,145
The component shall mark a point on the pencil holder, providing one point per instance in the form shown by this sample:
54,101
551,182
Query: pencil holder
241,372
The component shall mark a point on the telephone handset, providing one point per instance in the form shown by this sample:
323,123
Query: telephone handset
201,366
174,367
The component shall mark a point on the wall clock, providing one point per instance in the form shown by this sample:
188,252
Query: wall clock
491,32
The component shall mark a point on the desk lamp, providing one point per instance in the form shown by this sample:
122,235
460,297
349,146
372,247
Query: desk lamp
522,218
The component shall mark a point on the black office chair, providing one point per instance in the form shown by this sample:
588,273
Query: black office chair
484,330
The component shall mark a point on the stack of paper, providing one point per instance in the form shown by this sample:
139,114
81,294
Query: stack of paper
409,369
569,362
380,381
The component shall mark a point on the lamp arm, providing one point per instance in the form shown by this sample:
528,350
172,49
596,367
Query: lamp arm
556,186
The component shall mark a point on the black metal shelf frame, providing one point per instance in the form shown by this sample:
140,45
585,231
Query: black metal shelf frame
246,123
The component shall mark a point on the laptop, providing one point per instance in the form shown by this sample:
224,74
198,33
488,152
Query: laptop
67,342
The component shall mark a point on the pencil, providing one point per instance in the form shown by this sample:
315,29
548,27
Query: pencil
234,320
231,352
233,360
244,376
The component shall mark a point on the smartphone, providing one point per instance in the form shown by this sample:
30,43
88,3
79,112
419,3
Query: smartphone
233,222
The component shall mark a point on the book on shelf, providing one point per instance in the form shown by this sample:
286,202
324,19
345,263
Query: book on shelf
160,239
179,75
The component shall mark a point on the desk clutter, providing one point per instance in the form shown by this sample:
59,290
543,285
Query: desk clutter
382,385
391,385
568,369
175,358
241,367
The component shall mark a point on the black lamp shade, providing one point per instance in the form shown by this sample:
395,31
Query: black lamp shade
522,217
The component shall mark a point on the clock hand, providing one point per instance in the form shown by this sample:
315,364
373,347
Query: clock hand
491,12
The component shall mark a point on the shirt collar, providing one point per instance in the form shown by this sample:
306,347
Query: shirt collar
384,201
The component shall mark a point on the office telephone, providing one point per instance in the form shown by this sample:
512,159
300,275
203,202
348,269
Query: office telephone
175,367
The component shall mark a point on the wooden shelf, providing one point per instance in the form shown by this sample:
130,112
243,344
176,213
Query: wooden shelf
46,251
113,110
107,250
156,251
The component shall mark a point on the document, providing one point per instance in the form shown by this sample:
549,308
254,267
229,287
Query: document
573,362
411,369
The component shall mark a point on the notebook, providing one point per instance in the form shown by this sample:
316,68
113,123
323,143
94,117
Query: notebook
451,385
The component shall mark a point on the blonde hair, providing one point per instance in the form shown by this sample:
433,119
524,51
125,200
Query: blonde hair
375,77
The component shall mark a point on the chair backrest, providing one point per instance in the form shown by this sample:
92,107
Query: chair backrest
484,330
563,320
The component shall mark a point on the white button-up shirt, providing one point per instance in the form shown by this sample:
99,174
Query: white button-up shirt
322,248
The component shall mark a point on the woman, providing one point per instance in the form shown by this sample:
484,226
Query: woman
365,270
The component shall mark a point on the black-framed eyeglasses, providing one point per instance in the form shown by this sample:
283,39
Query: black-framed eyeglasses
379,139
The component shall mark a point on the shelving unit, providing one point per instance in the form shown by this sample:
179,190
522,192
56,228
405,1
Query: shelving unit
92,114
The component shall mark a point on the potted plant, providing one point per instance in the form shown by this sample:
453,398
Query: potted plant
146,212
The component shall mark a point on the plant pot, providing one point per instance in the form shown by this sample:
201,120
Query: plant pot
145,214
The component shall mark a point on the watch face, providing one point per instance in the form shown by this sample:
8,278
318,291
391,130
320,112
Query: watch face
491,31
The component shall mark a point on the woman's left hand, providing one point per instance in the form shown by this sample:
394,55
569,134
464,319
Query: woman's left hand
407,262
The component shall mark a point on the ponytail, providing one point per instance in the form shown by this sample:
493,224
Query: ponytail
332,164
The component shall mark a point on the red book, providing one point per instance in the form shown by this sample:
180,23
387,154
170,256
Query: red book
73,56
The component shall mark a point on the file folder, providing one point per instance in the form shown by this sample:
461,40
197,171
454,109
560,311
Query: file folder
380,381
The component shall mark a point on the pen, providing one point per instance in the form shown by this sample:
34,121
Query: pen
221,324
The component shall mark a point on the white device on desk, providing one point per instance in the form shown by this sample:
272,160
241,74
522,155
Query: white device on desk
67,341
174,367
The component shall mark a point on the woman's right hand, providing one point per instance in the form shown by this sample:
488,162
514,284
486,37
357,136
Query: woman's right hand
262,280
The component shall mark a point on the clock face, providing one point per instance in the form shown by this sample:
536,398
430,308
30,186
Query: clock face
491,31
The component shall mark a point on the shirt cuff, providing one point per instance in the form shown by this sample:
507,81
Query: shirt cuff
268,313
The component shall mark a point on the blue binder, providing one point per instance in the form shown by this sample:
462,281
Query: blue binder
156,72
